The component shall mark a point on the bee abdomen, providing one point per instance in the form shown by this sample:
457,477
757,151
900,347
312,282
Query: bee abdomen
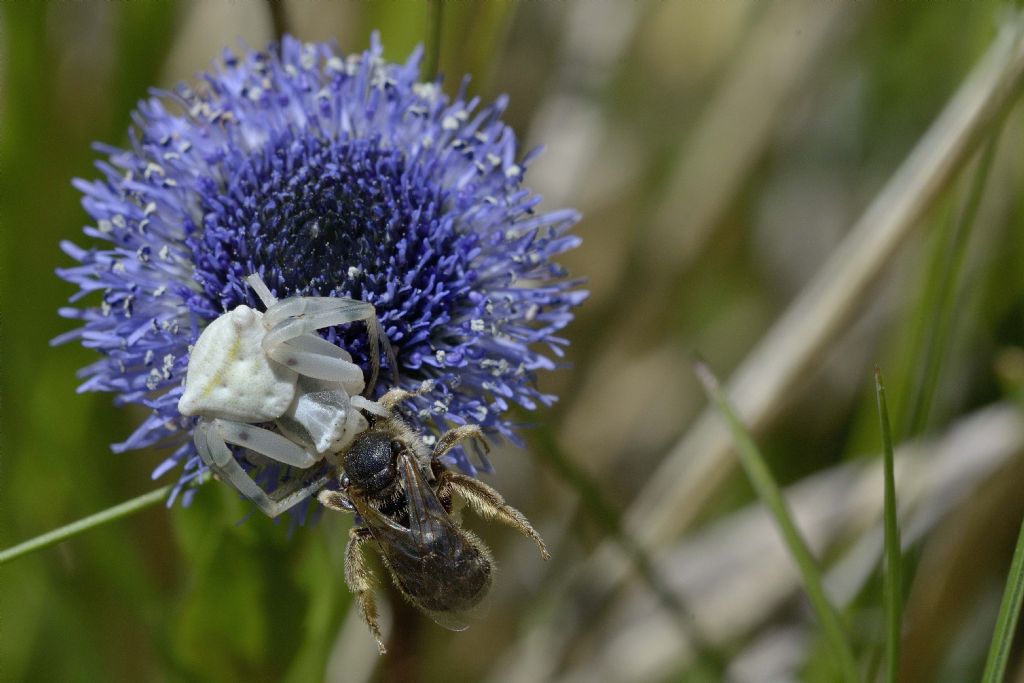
449,582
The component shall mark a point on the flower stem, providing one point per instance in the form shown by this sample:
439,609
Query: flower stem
768,491
65,532
433,56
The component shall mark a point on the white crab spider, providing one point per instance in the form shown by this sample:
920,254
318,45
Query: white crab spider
249,368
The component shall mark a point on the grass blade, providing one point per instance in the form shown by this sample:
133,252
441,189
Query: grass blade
940,298
767,489
694,470
697,466
892,579
1009,613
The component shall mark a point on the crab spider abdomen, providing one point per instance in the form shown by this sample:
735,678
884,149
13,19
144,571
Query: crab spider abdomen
230,376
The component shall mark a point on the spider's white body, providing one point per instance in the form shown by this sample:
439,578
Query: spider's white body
231,377
248,368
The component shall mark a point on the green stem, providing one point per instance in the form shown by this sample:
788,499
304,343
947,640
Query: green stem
940,295
65,532
432,59
768,491
1009,613
892,580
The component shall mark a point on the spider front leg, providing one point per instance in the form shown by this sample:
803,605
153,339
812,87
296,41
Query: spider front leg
488,503
211,439
315,357
290,341
292,322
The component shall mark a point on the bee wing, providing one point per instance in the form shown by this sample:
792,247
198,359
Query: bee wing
430,521
430,527
431,532
453,621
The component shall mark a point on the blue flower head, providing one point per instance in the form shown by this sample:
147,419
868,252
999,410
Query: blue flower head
328,176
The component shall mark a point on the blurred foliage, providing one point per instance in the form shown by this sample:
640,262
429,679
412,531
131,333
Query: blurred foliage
616,90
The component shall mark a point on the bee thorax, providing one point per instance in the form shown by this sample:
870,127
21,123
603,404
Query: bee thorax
370,462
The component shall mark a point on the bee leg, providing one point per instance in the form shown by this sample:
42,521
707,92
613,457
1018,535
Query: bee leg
335,500
395,396
452,437
360,581
489,504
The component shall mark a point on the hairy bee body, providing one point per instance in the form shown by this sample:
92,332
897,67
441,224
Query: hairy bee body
451,576
403,495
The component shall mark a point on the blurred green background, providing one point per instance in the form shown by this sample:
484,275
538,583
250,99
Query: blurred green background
719,151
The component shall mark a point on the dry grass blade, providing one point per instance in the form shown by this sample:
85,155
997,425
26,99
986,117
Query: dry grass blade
692,472
735,574
761,87
735,129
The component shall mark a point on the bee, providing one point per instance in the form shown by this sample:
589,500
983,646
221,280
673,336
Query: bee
403,495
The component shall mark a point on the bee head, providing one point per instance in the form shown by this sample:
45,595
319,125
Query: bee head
370,461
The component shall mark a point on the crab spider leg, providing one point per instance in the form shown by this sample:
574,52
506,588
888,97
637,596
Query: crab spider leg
289,495
318,345
311,314
215,453
264,442
310,356
362,403
294,307
489,504
342,311
219,458
261,289
317,311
